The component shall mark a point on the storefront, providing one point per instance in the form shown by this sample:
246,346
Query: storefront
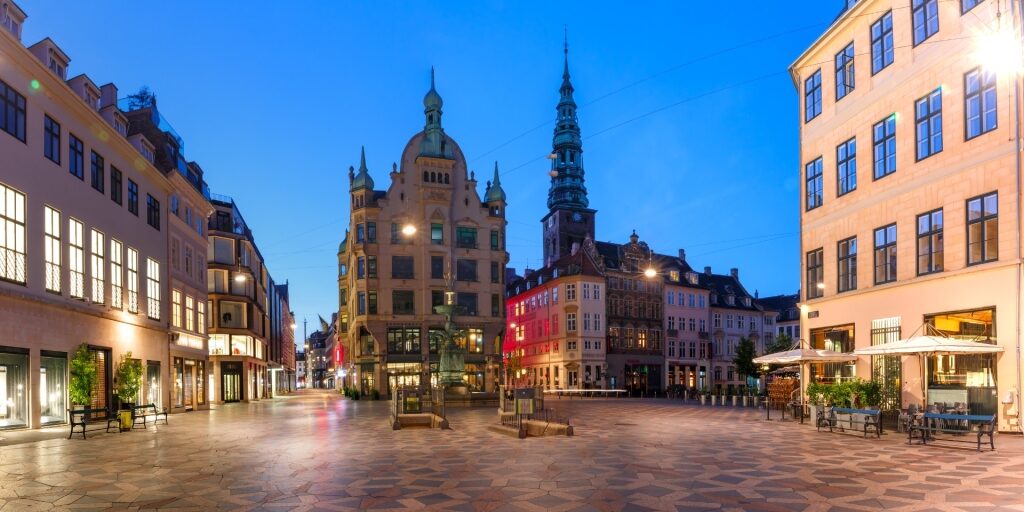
839,338
14,389
965,379
189,384
403,374
53,375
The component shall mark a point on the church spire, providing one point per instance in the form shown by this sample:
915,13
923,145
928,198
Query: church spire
433,143
361,179
494,191
567,190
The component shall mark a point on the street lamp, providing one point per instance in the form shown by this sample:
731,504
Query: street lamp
239,277
650,273
409,230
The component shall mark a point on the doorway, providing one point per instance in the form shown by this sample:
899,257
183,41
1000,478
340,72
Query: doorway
187,383
231,381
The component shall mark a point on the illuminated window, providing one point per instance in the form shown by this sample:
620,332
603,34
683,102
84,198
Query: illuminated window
190,307
133,280
115,274
176,308
76,263
152,289
98,247
51,219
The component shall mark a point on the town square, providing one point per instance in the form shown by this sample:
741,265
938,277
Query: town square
561,256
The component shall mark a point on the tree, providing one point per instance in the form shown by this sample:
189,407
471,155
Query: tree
744,359
142,99
781,344
129,378
83,376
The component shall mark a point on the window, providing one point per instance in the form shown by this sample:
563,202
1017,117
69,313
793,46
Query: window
115,185
465,238
152,289
716,320
597,322
495,304
133,197
437,267
928,123
98,171
728,321
371,299
979,102
76,157
812,96
814,184
815,282
597,292
12,112
465,270
360,268
468,303
360,233
436,299
495,240
371,232
133,280
201,316
570,322
436,233
115,274
51,222
844,72
475,341
98,247
371,267
929,243
153,212
982,229
570,292
361,303
495,272
925,15
76,256
670,298
190,307
403,340
402,267
403,302
51,139
847,261
846,166
966,5
885,254
885,147
881,43
176,308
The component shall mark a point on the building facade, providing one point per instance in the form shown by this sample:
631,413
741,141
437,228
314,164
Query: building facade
787,322
936,205
427,233
83,236
556,336
238,302
687,356
735,315
281,342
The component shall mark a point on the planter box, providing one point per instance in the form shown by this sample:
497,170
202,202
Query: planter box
734,400
703,399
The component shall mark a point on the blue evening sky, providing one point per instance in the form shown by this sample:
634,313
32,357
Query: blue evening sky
274,100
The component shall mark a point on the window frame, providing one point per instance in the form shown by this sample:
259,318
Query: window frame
76,156
984,230
963,6
886,252
818,179
850,260
883,35
812,91
922,5
97,171
10,98
930,235
51,139
844,162
980,95
928,119
887,144
845,67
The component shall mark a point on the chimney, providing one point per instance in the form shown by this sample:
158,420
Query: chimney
707,270
108,95
527,272
682,254
755,294
735,273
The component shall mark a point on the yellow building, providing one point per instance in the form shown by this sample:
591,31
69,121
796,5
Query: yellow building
927,229
405,247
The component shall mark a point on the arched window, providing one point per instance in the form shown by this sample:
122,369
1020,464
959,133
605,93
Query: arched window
446,179
433,177
426,176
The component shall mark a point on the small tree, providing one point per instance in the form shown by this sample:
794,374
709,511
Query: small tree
744,359
781,344
83,376
144,98
129,378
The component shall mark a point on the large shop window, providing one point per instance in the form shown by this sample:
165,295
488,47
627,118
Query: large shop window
964,379
53,370
153,394
838,339
232,315
13,388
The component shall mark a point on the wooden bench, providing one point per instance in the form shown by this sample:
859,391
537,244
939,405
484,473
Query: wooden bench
81,418
956,424
142,412
868,421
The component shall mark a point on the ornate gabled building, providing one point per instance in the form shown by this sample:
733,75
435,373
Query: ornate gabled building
569,220
405,246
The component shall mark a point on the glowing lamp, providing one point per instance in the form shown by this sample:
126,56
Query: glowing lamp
650,272
408,230
239,278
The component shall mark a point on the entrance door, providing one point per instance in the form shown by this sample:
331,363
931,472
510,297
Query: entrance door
231,381
187,383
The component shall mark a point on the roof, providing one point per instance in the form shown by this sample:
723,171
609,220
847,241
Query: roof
786,305
722,286
581,262
613,254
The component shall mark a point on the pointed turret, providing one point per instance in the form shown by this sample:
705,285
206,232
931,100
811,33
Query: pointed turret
362,179
433,144
567,189
494,192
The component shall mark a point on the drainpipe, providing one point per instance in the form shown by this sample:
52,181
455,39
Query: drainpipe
1017,17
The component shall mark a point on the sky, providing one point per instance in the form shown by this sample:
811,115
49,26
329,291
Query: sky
690,120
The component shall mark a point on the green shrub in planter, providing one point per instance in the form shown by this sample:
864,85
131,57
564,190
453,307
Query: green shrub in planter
375,394
355,395
83,376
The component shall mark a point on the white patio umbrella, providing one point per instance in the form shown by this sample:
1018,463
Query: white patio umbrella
802,356
929,345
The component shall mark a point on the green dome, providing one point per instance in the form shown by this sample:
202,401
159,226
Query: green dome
494,191
361,179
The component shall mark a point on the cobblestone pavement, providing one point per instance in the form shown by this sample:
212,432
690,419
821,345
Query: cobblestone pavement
322,452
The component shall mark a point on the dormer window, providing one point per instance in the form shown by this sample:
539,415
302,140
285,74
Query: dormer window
746,301
730,300
8,20
121,126
58,67
674,276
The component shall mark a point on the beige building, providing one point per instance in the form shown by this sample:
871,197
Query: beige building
927,229
83,235
556,319
402,243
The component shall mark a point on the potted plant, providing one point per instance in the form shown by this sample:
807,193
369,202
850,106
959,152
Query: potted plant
816,393
703,396
375,394
127,382
83,378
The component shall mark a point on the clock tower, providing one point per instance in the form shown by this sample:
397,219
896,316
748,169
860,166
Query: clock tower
569,220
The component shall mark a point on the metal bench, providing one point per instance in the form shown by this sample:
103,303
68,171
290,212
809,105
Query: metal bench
959,425
81,418
869,420
142,412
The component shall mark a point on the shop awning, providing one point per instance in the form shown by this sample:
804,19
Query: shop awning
936,345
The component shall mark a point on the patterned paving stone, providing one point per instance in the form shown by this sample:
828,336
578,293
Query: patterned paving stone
321,452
